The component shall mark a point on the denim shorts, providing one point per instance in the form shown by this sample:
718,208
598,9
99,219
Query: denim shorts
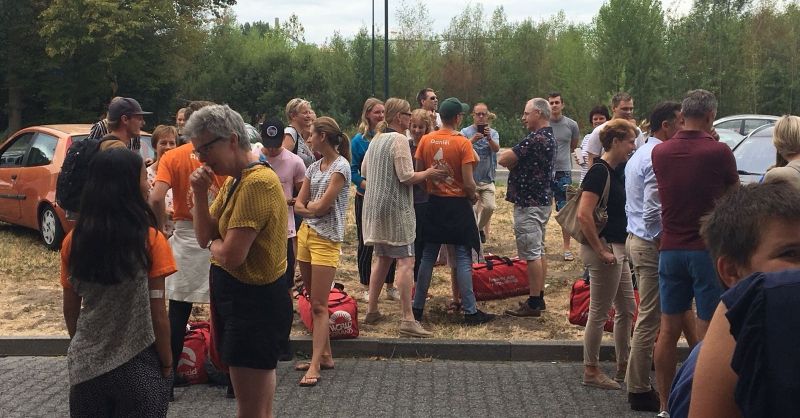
683,274
559,185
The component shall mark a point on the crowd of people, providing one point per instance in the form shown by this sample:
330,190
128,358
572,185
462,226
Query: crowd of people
203,223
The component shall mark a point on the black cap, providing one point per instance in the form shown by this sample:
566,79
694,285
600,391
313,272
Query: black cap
272,133
124,106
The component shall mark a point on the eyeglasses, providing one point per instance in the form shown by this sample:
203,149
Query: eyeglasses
480,113
203,150
432,98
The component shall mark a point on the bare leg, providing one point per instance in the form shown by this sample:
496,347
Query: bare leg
690,328
666,354
255,391
404,280
321,343
380,267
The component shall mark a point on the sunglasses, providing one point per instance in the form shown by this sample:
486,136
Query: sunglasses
480,113
203,150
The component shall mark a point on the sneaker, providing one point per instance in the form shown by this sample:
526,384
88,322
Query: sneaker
568,256
645,401
373,318
365,297
414,329
542,305
392,293
663,414
417,314
524,310
479,317
483,237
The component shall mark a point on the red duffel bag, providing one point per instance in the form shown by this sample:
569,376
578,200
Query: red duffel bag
343,311
579,306
191,365
500,278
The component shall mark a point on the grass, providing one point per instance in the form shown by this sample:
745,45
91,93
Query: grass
31,295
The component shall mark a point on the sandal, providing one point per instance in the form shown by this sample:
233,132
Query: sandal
309,381
454,307
601,381
568,256
304,366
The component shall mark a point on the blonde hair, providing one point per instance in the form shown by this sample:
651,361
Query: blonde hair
423,116
294,105
160,131
394,107
363,126
333,134
786,135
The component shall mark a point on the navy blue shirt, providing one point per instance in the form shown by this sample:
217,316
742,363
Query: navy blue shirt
529,180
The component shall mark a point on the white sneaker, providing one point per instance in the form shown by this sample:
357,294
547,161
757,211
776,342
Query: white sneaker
392,293
663,414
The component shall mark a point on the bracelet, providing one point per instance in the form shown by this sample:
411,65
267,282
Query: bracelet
208,247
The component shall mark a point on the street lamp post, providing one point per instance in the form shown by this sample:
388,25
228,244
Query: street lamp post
373,48
386,51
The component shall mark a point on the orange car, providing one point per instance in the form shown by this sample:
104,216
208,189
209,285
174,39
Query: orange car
29,165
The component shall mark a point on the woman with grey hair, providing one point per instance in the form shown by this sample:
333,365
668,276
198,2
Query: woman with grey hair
245,231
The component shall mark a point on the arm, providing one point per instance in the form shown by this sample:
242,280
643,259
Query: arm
508,159
469,182
158,313
651,213
355,163
302,199
288,142
156,200
71,308
714,380
206,228
494,140
232,251
323,205
586,220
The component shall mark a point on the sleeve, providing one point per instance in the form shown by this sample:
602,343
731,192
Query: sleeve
299,172
164,173
403,166
593,145
162,263
728,166
367,155
357,156
576,132
341,167
468,154
66,247
521,150
252,209
651,214
495,136
595,179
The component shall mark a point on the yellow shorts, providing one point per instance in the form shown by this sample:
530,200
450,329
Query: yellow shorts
314,249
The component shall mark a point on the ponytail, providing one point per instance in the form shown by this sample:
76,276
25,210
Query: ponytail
344,146
335,137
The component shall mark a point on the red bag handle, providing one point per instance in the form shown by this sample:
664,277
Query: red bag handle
491,258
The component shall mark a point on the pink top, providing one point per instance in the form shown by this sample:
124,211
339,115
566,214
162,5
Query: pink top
290,170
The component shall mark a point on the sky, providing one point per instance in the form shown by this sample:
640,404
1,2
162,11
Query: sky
321,18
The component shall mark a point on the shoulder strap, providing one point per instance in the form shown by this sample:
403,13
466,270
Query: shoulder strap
604,199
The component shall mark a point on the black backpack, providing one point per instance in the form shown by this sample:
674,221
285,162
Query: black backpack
75,171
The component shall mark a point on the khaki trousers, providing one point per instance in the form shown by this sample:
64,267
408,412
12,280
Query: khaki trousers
644,256
609,284
485,206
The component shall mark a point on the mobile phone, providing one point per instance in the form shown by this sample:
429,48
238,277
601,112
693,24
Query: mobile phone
482,129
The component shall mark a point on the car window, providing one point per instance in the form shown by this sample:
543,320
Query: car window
13,155
146,150
42,150
751,124
755,154
734,125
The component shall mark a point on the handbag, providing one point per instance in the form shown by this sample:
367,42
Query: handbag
579,306
567,217
499,278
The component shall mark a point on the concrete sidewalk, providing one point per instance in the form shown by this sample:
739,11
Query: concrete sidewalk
37,387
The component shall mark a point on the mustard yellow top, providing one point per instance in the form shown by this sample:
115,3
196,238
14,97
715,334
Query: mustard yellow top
258,203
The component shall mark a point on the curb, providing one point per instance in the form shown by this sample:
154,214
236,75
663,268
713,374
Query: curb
470,350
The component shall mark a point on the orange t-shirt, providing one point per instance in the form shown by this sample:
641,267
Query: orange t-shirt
174,169
450,150
162,263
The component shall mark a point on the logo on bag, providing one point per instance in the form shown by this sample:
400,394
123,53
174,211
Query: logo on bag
504,280
340,323
189,360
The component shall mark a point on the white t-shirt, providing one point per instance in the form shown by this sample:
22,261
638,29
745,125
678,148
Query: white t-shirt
593,144
331,225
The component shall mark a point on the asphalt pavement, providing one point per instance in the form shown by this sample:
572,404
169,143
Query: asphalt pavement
361,387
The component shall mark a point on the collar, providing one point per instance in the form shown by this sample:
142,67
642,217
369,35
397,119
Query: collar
653,140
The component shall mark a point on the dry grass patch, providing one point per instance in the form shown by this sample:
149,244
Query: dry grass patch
31,295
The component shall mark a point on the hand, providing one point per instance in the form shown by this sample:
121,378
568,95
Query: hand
478,136
201,179
474,198
290,202
608,257
436,174
714,133
148,162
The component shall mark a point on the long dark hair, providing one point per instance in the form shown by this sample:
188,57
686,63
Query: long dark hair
109,243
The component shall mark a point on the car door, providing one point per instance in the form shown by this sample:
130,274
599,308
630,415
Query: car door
36,181
12,160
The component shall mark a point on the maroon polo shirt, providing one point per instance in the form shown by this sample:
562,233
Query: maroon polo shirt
693,170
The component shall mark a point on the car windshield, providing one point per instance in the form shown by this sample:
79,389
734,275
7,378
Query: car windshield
146,150
756,153
729,137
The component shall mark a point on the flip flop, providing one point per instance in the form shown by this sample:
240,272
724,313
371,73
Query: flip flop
309,381
304,366
568,256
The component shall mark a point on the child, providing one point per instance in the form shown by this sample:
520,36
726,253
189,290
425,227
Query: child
119,357
322,202
762,234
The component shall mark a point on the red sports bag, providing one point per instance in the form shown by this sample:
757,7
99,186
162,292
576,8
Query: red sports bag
579,306
343,311
191,365
500,278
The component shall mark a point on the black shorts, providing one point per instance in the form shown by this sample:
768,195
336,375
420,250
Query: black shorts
251,322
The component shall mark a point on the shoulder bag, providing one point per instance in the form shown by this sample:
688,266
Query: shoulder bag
567,217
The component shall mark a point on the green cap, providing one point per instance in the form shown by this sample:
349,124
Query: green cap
451,107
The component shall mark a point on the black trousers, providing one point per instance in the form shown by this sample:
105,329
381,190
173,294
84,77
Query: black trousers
364,252
179,312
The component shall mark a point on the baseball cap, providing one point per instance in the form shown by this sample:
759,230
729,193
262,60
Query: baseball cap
124,106
451,107
272,133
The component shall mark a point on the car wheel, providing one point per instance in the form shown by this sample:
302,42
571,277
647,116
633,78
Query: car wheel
50,228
